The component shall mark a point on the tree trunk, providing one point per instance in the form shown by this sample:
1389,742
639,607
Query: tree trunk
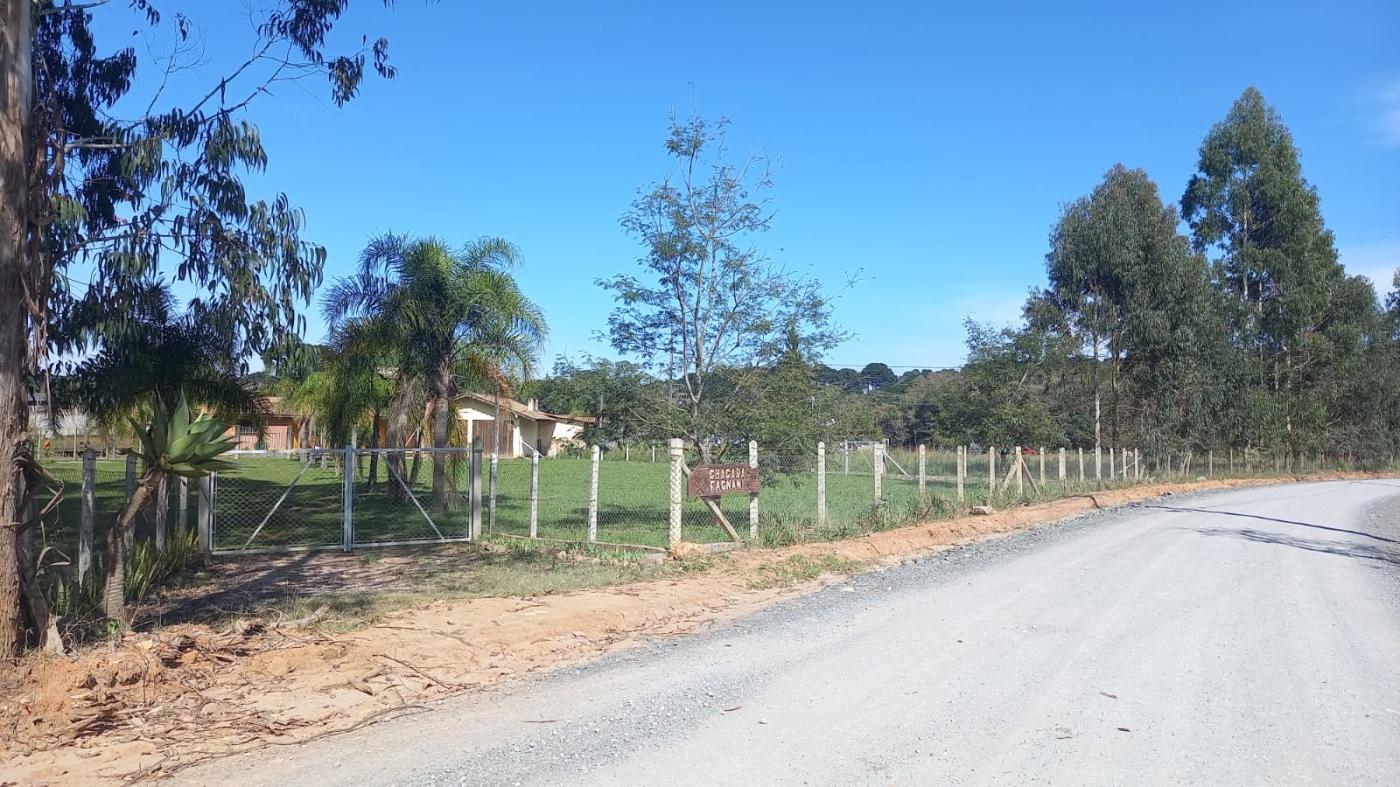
442,406
1098,410
16,35
396,435
114,592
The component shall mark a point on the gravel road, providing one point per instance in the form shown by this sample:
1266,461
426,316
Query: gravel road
1241,637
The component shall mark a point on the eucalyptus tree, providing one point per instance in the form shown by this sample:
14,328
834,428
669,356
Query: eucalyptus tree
708,301
107,184
1250,206
1116,267
440,313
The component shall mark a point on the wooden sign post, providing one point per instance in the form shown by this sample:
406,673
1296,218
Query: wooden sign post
709,482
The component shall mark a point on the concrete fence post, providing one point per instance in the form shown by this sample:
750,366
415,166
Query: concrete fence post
85,525
182,508
491,495
878,455
474,517
1210,463
821,484
753,497
1061,474
593,495
846,456
535,490
923,475
676,448
204,514
347,506
991,473
1098,464
161,508
1081,465
1018,463
129,539
962,473
1042,469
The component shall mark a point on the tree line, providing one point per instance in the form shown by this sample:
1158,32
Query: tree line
1229,322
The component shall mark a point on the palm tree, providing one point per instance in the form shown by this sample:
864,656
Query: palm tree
441,314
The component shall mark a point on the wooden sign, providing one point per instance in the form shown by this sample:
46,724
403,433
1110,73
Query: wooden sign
716,480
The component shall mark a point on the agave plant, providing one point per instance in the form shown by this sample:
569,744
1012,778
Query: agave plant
174,444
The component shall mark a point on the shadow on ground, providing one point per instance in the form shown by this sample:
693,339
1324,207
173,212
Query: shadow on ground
1341,548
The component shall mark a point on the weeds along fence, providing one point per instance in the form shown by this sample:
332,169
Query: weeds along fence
634,496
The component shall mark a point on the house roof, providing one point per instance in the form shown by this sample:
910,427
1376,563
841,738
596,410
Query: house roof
522,409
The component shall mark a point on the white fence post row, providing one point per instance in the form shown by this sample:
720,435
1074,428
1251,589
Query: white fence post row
535,491
676,448
593,496
821,484
85,526
923,475
753,498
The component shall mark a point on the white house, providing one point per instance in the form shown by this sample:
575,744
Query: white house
523,425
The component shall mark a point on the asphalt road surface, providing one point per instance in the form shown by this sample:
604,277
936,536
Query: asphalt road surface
1241,637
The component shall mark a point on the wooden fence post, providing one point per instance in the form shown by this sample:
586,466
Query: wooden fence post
204,523
846,455
753,497
1210,463
593,496
821,484
923,477
535,490
85,525
676,448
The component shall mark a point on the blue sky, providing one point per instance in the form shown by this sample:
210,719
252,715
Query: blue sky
928,148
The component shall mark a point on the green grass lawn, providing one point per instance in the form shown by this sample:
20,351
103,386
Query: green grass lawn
632,501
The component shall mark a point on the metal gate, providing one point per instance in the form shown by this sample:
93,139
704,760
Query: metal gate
327,498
